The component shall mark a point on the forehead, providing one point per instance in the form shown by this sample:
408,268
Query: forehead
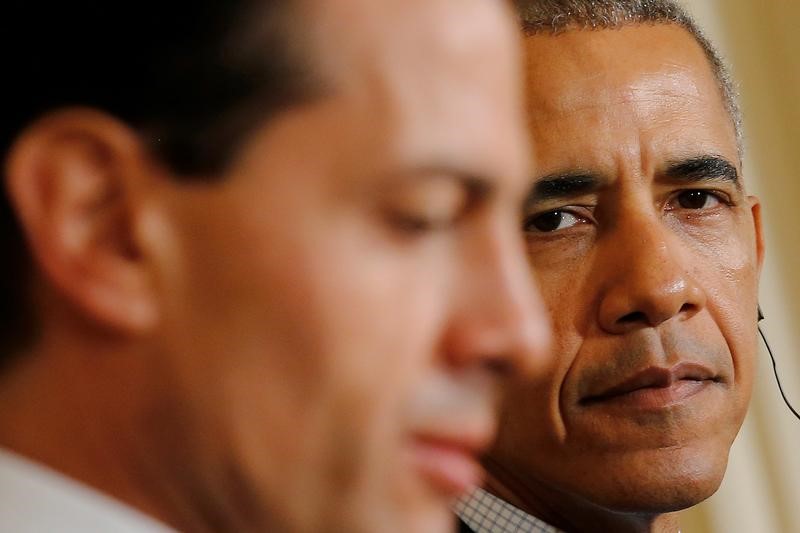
439,75
418,39
643,88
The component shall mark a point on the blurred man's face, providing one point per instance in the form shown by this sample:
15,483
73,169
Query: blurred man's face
648,252
336,307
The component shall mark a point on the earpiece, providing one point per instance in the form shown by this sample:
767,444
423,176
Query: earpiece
775,367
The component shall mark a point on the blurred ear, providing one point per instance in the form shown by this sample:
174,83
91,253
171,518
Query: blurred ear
69,178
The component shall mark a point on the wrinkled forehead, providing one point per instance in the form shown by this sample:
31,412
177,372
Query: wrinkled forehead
443,73
644,87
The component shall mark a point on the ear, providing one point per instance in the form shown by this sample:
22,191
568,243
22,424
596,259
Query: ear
69,178
755,209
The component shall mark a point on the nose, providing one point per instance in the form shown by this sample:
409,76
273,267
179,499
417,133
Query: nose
499,323
648,281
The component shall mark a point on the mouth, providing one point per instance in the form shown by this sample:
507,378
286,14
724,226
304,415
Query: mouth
450,462
655,388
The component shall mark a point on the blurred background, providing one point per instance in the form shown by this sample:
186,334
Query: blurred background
761,42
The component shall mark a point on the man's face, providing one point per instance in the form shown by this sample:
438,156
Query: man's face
648,252
336,307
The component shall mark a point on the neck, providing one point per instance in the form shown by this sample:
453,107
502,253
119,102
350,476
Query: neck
77,411
103,408
569,512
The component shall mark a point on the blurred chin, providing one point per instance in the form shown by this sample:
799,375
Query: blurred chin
426,512
435,519
427,517
399,502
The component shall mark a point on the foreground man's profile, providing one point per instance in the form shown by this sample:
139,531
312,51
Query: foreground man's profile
261,262
648,251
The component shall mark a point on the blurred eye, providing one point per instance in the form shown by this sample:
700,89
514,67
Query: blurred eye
552,221
427,205
698,199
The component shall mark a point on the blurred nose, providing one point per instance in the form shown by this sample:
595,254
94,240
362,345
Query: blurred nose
500,322
648,280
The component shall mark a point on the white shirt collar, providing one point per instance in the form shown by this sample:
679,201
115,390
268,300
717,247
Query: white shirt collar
35,499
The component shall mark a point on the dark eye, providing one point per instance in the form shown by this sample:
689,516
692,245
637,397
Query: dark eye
697,200
551,221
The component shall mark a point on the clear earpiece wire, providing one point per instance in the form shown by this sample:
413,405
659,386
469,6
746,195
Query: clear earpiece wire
775,371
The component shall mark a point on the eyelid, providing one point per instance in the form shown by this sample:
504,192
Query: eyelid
429,205
723,197
582,212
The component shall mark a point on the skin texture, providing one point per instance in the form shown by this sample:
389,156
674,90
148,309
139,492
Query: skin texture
638,272
277,349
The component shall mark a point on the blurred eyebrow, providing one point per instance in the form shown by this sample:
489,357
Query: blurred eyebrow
563,186
478,188
475,185
706,168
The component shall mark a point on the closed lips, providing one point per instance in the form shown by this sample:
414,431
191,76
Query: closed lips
651,378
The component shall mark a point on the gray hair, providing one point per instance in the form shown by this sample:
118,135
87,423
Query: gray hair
556,16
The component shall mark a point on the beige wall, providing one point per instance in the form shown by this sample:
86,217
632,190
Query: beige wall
761,40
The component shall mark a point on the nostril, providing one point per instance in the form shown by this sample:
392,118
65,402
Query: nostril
687,307
636,316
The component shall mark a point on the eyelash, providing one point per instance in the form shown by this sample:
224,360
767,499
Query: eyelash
580,212
575,210
721,196
414,225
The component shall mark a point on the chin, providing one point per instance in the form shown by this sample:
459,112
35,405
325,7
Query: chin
417,510
428,512
439,520
430,520
670,481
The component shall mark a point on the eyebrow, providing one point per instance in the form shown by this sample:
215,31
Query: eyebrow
477,187
563,185
706,168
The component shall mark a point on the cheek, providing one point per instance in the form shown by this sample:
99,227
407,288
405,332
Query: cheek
734,308
532,416
725,244
557,258
569,303
532,434
375,318
727,270
309,349
563,269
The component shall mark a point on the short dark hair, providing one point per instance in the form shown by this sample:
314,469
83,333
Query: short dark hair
555,16
191,77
